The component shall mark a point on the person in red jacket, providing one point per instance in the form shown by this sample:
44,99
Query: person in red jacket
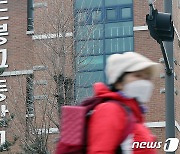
129,77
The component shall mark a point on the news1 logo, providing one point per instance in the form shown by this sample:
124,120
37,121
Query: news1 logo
171,144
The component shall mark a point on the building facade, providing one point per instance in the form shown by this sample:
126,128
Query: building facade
53,51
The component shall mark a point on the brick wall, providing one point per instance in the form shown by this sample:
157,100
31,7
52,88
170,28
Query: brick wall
145,45
19,44
19,56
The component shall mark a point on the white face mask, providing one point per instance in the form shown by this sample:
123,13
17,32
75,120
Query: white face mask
140,89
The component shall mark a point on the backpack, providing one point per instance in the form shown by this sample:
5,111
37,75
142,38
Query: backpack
74,121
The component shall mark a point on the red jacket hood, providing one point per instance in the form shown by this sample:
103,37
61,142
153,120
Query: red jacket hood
101,90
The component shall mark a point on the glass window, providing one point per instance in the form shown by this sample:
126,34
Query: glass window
118,29
126,13
82,4
89,63
128,44
128,29
81,32
82,93
81,17
81,47
114,45
86,79
111,14
119,45
91,47
117,2
97,47
96,15
97,31
89,32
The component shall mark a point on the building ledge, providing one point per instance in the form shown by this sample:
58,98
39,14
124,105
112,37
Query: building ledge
3,2
161,124
41,97
140,28
15,73
29,115
40,5
48,131
50,36
30,32
39,68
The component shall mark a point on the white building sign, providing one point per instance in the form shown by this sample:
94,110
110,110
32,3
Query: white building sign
3,65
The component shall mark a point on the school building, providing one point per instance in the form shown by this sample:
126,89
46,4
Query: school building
52,51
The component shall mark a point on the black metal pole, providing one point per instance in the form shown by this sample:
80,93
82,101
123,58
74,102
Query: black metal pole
170,118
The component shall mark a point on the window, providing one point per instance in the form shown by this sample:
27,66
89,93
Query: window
64,93
103,27
119,29
97,31
114,45
81,17
91,47
96,16
88,32
126,13
111,14
119,45
86,79
81,93
90,63
30,16
29,96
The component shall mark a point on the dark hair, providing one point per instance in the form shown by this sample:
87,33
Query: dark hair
120,79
